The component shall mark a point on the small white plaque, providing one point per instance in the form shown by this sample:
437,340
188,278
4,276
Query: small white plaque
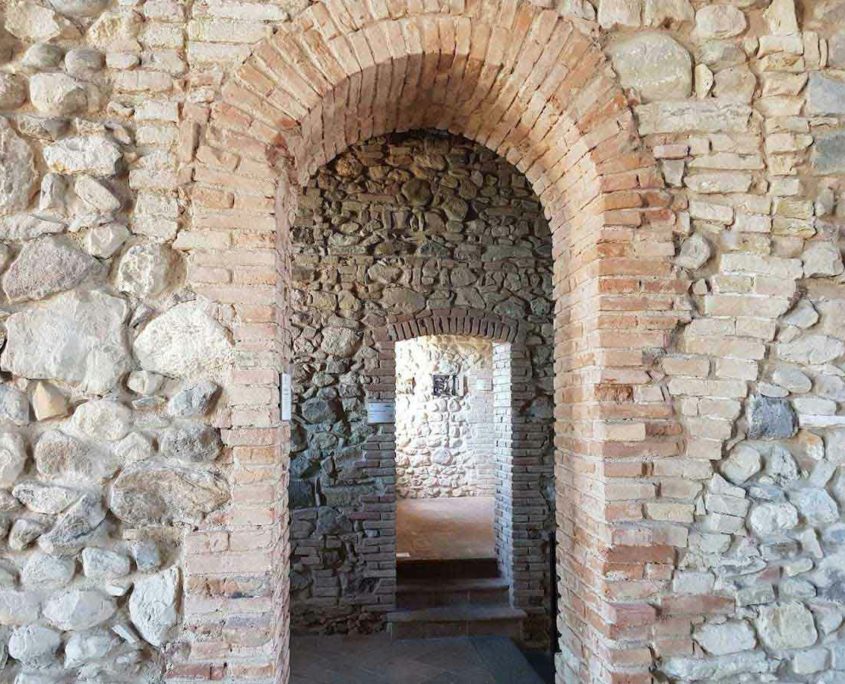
484,384
381,412
286,395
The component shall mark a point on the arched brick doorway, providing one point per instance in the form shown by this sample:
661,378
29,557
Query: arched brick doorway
520,543
528,85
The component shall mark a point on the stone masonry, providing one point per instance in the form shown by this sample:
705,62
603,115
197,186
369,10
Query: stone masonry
445,444
689,159
402,226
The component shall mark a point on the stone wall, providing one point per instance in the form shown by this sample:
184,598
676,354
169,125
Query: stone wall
112,368
709,192
444,444
405,225
758,373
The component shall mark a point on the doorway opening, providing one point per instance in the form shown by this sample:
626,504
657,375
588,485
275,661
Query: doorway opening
445,463
453,550
400,238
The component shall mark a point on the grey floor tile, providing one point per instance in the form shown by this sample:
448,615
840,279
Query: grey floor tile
377,659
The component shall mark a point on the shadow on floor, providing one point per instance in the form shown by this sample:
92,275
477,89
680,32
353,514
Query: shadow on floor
377,659
543,663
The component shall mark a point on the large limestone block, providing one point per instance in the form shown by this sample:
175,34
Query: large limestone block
735,84
91,154
194,400
816,506
89,646
103,241
156,493
340,342
144,270
78,609
18,177
18,607
183,342
402,300
42,571
660,12
114,28
47,266
103,564
619,13
191,441
12,91
787,626
719,21
780,17
707,116
44,498
743,463
57,94
95,195
14,406
822,259
77,337
62,456
33,645
34,23
654,64
772,518
103,419
683,668
74,528
727,637
152,606
79,8
812,349
28,227
12,458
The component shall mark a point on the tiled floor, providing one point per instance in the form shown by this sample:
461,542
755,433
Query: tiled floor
445,528
377,659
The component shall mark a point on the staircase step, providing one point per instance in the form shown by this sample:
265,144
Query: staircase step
449,592
459,620
460,568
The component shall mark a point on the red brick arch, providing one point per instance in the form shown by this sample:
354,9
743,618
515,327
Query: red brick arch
452,321
527,84
520,534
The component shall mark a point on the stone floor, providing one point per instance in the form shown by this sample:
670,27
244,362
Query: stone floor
377,659
445,528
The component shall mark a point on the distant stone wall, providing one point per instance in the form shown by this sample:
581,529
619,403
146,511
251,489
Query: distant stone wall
444,445
401,225
689,155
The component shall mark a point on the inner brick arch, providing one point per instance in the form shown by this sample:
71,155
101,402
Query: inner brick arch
528,85
518,451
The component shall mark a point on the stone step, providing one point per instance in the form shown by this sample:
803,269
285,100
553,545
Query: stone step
458,568
458,620
449,592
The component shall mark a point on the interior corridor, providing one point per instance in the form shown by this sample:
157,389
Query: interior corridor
445,529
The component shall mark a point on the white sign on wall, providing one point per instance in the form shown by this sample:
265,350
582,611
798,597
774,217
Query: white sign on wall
285,395
381,412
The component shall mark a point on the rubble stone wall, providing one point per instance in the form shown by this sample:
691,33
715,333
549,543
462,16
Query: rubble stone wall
405,225
689,157
445,445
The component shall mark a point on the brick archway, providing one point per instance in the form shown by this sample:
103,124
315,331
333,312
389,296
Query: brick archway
530,86
519,541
